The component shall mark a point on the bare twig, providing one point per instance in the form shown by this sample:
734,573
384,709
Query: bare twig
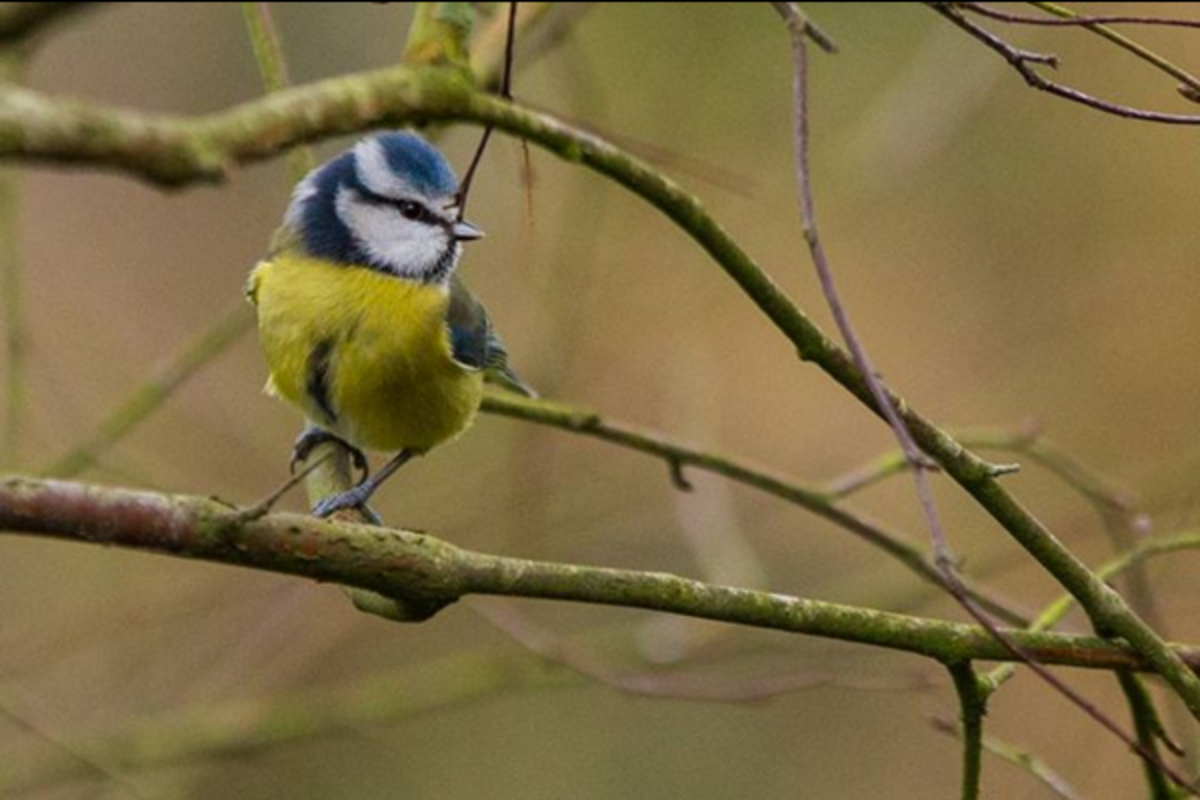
589,423
803,25
77,758
1022,759
268,503
464,189
1189,83
917,461
151,394
1025,62
540,26
1079,20
1148,728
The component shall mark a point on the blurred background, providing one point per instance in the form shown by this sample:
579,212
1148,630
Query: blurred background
1008,257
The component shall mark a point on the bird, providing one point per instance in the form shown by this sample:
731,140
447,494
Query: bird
365,323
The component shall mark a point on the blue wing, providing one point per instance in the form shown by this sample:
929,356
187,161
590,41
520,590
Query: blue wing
474,341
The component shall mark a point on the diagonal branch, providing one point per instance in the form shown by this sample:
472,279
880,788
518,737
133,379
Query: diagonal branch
680,456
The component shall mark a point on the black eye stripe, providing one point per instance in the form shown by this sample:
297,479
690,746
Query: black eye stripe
409,209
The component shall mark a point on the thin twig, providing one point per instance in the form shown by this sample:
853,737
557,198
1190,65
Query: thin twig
1056,611
1023,62
267,504
1148,729
917,460
209,732
1022,759
464,189
591,424
1190,83
943,555
489,49
1077,20
1114,504
149,396
79,759
803,25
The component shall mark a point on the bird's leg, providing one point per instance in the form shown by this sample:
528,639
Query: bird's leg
312,436
360,494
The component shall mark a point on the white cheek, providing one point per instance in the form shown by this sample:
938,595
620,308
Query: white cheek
407,247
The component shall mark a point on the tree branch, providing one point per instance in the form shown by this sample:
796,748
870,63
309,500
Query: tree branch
678,456
428,573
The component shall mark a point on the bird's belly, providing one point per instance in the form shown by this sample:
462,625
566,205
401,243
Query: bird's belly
397,394
365,356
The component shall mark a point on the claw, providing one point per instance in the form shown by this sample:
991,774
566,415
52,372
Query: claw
360,494
307,441
355,498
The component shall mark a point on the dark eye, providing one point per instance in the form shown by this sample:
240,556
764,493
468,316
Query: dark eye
410,210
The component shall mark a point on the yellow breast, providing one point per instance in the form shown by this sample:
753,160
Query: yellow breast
366,356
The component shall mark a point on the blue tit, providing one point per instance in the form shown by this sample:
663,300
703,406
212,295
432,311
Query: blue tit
364,323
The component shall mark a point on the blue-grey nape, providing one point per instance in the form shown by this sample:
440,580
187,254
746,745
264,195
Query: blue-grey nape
417,161
322,230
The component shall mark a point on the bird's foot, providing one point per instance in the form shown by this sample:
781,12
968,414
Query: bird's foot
355,498
307,441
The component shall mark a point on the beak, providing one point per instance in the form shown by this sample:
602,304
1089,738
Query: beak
464,231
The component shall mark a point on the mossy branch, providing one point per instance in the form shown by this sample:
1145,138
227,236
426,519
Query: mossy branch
427,572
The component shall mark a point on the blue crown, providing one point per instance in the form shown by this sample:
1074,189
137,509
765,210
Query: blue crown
418,162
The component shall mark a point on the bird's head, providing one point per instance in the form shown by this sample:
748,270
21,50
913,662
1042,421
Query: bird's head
389,204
